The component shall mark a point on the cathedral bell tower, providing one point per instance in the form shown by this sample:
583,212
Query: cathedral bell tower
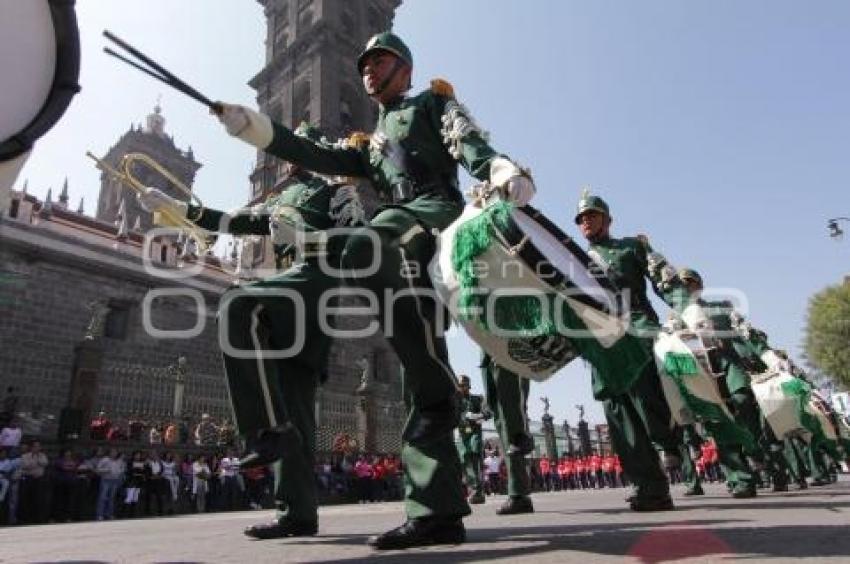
311,69
152,140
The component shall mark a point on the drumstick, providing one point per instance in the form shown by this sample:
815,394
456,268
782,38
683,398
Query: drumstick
157,71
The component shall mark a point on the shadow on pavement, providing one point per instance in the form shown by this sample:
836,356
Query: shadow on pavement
646,542
756,503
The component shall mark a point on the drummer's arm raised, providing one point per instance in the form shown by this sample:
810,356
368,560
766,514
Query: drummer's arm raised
275,139
665,281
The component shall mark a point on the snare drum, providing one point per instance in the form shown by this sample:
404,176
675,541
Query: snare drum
39,69
557,303
780,406
817,407
688,391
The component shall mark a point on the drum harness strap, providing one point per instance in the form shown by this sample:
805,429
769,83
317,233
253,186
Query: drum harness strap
481,192
417,180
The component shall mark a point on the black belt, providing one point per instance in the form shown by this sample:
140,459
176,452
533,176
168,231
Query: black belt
406,190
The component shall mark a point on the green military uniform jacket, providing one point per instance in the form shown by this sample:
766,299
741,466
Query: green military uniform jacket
737,358
626,263
309,203
473,410
411,157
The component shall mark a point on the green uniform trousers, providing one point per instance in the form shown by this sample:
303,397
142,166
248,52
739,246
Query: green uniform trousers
636,419
507,398
691,442
389,261
471,455
738,473
768,449
266,392
795,459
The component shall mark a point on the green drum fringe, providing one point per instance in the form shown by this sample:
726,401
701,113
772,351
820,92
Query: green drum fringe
619,366
679,366
802,392
522,314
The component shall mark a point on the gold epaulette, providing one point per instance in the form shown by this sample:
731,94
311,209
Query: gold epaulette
442,88
358,139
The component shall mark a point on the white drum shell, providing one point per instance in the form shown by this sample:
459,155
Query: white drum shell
27,62
447,287
701,385
779,409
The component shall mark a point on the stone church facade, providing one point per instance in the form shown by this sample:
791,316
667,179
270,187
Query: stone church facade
76,292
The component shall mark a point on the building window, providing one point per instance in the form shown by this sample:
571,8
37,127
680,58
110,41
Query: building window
346,119
305,20
301,102
377,21
259,253
14,208
117,321
379,360
348,18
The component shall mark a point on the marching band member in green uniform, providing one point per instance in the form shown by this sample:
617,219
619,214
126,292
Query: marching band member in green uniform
411,159
736,365
273,395
637,414
507,398
473,412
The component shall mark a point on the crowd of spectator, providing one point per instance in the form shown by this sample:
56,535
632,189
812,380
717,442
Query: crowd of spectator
205,433
361,477
161,469
706,463
596,471
108,483
141,468
565,473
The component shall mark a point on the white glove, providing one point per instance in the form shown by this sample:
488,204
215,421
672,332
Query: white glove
520,189
246,124
513,182
773,361
154,200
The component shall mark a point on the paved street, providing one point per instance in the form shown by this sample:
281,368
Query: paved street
568,527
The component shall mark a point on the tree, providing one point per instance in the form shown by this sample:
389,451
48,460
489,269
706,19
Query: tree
827,341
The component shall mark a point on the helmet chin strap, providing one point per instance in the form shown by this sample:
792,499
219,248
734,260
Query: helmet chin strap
397,66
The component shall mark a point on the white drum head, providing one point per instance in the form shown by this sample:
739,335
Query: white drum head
27,62
563,260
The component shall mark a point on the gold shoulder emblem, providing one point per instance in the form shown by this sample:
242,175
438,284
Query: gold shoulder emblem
359,139
442,88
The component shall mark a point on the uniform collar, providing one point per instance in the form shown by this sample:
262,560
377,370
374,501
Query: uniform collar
393,104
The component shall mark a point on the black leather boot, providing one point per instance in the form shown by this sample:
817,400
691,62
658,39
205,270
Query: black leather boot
423,531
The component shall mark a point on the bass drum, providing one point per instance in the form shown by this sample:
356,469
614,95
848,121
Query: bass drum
39,69
525,255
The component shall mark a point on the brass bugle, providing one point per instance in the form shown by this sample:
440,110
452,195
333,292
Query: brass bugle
169,217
